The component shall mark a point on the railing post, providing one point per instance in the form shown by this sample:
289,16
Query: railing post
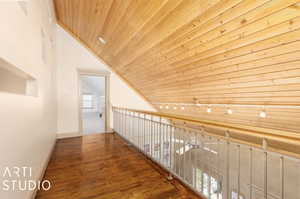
125,124
172,151
144,132
190,157
138,129
239,170
209,176
151,136
115,120
251,175
131,126
265,146
228,165
169,163
184,159
128,127
156,138
117,115
121,122
218,166
177,143
197,157
161,145
282,177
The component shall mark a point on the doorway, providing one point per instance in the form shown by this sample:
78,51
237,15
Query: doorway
93,104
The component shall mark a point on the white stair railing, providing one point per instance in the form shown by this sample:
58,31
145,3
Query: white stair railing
213,166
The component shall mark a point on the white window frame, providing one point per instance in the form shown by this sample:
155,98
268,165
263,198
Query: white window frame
90,102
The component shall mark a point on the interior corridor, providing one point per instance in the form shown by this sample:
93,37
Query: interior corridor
104,166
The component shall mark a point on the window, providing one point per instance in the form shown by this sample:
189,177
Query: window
198,179
204,182
87,101
234,195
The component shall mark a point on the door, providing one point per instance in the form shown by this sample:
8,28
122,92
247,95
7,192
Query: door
93,104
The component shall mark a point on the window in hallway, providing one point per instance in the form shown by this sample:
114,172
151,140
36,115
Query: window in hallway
209,185
87,101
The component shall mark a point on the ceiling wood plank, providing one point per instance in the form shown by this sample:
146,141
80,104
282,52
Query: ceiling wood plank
183,51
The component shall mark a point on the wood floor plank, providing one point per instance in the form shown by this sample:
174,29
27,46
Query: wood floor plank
103,166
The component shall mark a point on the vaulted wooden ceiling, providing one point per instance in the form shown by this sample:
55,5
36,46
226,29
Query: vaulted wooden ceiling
210,51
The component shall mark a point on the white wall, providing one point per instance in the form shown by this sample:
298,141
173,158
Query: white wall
71,55
27,124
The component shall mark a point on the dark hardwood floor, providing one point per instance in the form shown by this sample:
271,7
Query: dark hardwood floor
103,166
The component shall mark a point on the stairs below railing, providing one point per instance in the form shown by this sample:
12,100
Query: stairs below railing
215,165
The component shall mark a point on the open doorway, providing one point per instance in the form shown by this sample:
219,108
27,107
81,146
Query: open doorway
93,103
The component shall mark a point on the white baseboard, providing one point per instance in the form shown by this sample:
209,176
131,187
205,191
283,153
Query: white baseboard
110,130
72,135
41,176
68,135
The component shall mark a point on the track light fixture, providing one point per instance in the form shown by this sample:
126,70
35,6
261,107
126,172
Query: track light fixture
263,113
229,111
102,40
208,110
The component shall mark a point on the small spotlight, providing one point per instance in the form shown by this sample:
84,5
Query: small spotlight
182,108
102,40
208,110
161,107
263,114
229,111
175,108
167,107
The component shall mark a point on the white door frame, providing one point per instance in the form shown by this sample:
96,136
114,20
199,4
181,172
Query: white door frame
106,75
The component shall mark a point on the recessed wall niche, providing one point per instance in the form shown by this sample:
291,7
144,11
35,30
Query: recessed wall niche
14,80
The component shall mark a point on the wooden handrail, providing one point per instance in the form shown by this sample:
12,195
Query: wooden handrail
263,133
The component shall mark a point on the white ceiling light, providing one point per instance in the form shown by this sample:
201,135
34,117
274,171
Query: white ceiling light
161,107
229,111
102,40
263,114
182,108
175,107
208,110
167,107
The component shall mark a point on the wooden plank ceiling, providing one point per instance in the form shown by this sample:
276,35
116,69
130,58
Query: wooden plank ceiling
209,51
